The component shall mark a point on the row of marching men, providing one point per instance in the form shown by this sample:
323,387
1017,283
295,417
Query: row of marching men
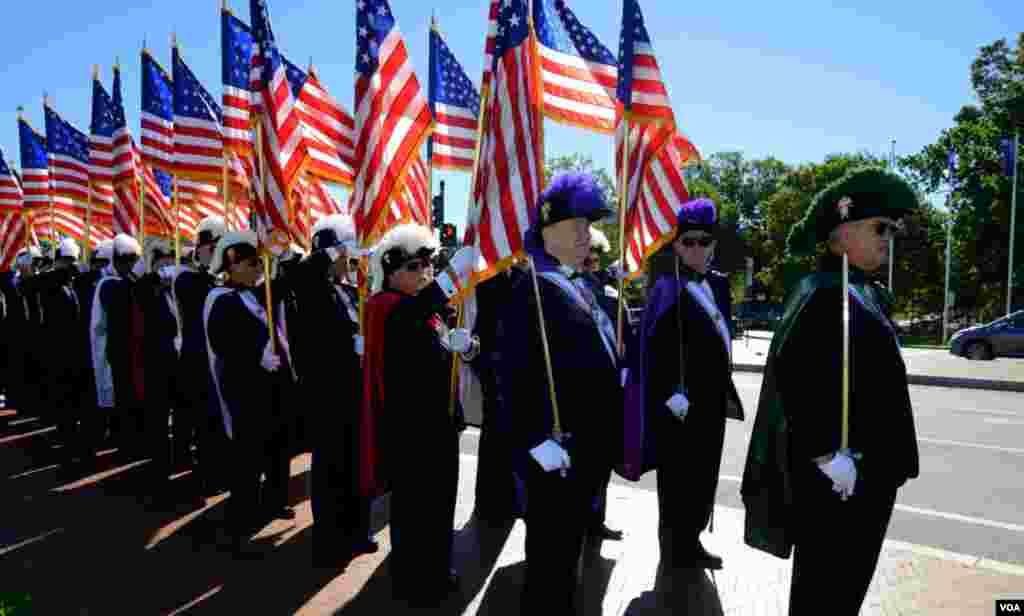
563,405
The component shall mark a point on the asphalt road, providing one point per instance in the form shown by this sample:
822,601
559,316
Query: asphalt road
969,498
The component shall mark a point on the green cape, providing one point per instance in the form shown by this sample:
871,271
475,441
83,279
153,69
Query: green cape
767,488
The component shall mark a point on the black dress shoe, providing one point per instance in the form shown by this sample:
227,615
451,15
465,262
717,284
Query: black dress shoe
603,533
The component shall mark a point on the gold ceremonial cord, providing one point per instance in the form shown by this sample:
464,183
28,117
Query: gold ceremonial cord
623,203
556,430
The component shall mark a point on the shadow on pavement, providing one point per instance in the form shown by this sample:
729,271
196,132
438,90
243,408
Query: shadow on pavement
678,591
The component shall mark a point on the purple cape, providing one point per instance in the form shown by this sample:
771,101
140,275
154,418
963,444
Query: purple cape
638,444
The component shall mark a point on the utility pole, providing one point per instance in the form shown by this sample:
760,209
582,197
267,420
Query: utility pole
1013,221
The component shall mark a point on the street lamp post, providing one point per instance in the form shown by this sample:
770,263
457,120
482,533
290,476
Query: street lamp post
946,298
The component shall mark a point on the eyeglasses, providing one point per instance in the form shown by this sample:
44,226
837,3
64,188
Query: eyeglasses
886,229
417,265
690,242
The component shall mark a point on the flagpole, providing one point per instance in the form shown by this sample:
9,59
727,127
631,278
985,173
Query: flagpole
623,204
177,220
266,253
892,238
88,225
142,203
50,190
538,105
227,192
845,435
1013,221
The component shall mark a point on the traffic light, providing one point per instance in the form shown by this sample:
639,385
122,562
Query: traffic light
448,239
437,217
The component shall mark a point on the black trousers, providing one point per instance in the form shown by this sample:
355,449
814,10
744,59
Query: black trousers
558,511
341,516
690,457
837,543
256,452
425,485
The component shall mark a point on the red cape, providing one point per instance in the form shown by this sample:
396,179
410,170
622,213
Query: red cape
373,476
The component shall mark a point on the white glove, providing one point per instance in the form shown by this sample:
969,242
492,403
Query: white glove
177,344
358,340
843,473
270,361
463,263
679,406
551,456
460,340
624,376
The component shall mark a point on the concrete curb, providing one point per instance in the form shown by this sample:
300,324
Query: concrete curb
963,559
931,381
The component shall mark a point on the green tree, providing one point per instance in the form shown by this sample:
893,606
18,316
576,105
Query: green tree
980,195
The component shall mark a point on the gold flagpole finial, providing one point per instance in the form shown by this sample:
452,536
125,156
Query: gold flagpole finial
117,64
224,6
95,72
21,111
174,39
145,49
311,68
433,21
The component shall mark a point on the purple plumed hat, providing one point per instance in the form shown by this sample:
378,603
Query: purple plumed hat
697,215
572,195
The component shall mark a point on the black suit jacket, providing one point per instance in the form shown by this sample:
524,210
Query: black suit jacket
586,378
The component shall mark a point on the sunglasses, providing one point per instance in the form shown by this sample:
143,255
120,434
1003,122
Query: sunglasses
703,242
417,265
886,229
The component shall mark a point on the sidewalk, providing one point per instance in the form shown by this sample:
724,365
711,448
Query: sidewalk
94,548
924,366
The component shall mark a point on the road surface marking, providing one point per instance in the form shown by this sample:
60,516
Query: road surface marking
939,441
956,517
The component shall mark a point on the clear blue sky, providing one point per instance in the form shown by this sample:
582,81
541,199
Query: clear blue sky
797,80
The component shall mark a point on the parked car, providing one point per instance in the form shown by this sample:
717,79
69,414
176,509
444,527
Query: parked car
1001,338
757,315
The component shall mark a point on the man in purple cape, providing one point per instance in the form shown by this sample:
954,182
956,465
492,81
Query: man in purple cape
680,391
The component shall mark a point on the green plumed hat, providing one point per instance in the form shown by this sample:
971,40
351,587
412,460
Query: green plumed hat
864,192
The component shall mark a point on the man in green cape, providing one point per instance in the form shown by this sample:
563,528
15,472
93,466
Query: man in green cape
804,490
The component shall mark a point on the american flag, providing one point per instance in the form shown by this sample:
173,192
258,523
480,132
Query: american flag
414,199
35,166
205,200
125,154
69,223
12,238
328,127
107,133
157,114
578,72
657,151
492,33
237,48
198,144
641,90
456,106
12,233
284,149
69,158
511,163
392,117
10,189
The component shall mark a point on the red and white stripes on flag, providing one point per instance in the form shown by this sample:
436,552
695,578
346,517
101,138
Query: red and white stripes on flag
392,118
71,224
205,200
657,157
511,172
329,130
414,201
12,239
489,42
